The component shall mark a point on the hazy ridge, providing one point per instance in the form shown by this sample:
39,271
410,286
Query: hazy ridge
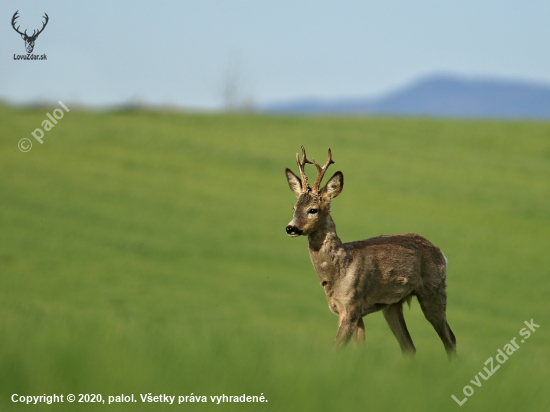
441,95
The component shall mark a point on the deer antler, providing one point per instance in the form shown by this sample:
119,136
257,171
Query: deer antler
301,164
42,29
321,172
15,16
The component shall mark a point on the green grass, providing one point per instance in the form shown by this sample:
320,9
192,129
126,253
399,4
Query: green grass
145,252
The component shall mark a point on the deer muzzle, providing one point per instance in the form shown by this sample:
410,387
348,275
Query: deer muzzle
293,231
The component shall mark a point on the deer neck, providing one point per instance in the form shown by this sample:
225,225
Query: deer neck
326,251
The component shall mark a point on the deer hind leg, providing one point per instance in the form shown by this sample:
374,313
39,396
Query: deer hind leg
434,310
394,316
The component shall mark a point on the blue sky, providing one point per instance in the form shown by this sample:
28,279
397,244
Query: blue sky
183,52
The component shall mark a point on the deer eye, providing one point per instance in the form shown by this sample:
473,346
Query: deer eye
312,211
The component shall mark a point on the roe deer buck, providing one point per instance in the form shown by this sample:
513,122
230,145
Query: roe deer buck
369,275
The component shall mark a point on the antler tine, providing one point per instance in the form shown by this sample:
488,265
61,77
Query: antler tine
43,25
15,16
321,172
301,165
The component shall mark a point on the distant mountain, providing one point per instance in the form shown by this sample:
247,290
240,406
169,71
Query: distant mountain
439,96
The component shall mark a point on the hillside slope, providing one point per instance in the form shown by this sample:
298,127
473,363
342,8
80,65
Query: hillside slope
145,252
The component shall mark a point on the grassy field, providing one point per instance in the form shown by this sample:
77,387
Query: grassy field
145,252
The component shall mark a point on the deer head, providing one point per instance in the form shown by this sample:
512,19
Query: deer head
312,210
29,40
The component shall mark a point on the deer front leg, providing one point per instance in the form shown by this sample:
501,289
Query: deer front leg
359,334
347,326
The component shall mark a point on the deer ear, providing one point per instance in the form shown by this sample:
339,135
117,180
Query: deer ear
293,182
333,187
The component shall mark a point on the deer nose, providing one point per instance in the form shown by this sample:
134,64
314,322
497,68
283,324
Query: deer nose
293,230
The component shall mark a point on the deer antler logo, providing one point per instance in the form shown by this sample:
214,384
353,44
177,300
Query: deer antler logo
29,40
